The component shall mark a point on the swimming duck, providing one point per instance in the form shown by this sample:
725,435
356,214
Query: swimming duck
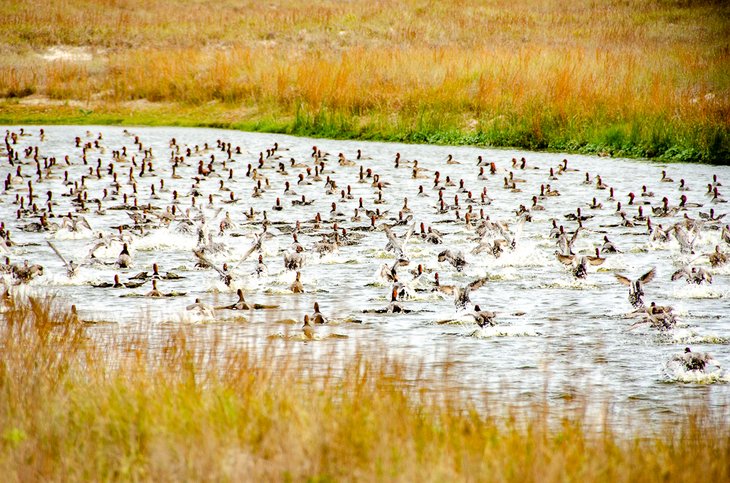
240,304
317,316
665,178
595,205
297,286
608,246
125,259
395,307
684,204
203,309
577,216
308,329
154,292
261,268
711,216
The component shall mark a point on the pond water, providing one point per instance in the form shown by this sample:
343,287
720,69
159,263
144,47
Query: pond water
556,336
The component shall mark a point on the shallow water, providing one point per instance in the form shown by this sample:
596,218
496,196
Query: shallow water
557,336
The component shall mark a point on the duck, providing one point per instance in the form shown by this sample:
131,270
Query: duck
317,316
203,309
595,205
656,233
537,207
450,160
240,304
577,216
693,361
665,178
692,275
684,204
483,318
395,307
297,286
608,246
308,329
455,257
154,292
646,193
718,258
125,259
711,216
461,293
26,272
660,318
71,266
636,287
579,263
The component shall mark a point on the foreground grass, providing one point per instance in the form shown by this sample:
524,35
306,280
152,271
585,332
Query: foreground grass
647,78
74,409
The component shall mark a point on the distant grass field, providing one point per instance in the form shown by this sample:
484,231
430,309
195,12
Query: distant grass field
641,78
81,407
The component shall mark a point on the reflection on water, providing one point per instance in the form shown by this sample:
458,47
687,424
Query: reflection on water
554,335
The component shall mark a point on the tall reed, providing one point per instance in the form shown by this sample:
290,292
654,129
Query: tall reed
639,78
81,403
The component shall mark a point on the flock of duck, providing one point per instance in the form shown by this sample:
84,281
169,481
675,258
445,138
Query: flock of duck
323,202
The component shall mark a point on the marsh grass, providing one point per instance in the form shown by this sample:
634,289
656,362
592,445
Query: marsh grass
77,406
646,78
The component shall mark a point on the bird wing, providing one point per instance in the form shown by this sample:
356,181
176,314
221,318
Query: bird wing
255,246
624,280
565,259
392,239
448,289
575,236
408,234
55,250
648,276
84,222
209,263
474,285
596,260
682,272
518,230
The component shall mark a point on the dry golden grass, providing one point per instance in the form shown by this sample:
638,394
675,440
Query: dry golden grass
647,77
76,406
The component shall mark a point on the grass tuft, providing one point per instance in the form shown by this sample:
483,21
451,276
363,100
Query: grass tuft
79,403
645,78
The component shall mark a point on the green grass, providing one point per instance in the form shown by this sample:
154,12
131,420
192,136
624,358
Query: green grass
656,140
647,78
